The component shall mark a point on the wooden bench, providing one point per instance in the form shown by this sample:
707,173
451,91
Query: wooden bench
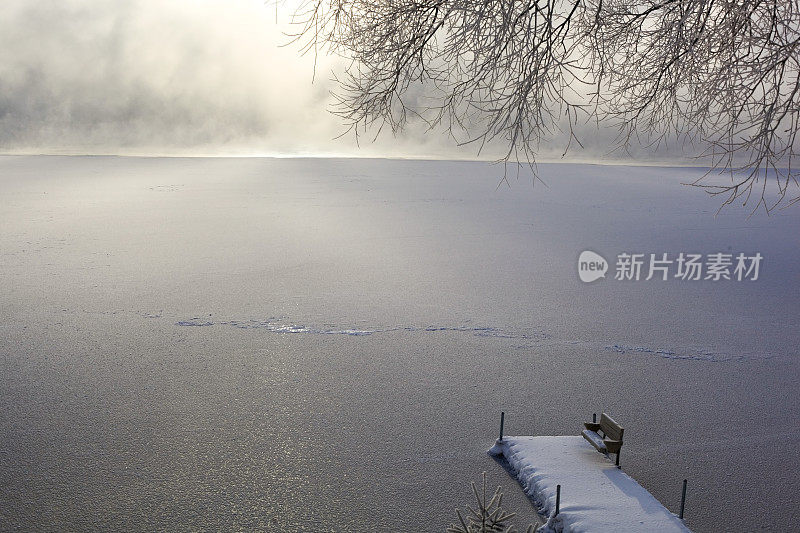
605,436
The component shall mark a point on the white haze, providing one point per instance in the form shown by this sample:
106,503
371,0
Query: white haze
184,77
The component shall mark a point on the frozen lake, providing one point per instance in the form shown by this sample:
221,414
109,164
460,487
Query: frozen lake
326,344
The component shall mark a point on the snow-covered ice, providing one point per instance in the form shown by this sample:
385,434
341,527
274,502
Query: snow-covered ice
240,344
595,494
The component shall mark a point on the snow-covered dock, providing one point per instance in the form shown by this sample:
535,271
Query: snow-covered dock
596,496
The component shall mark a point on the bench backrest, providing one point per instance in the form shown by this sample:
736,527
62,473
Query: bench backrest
610,429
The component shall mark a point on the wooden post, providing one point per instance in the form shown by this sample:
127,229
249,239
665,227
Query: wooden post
594,418
617,461
558,499
502,420
683,499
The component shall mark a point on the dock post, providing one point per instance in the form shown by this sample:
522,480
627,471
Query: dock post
683,499
502,420
558,499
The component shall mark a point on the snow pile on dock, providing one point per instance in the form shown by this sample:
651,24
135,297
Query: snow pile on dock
595,495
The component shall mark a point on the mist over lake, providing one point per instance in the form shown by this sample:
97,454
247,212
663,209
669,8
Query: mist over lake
327,344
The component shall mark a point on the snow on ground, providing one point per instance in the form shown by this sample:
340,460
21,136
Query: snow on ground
595,494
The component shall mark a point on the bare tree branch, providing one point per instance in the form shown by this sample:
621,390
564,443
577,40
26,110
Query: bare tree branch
721,77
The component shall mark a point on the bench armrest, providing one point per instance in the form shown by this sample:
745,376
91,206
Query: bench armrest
591,426
612,445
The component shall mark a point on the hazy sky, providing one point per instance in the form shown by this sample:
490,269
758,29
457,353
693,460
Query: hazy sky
172,77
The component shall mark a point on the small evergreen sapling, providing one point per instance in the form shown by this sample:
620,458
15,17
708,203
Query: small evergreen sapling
489,517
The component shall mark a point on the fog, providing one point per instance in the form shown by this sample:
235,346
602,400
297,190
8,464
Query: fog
152,76
211,77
